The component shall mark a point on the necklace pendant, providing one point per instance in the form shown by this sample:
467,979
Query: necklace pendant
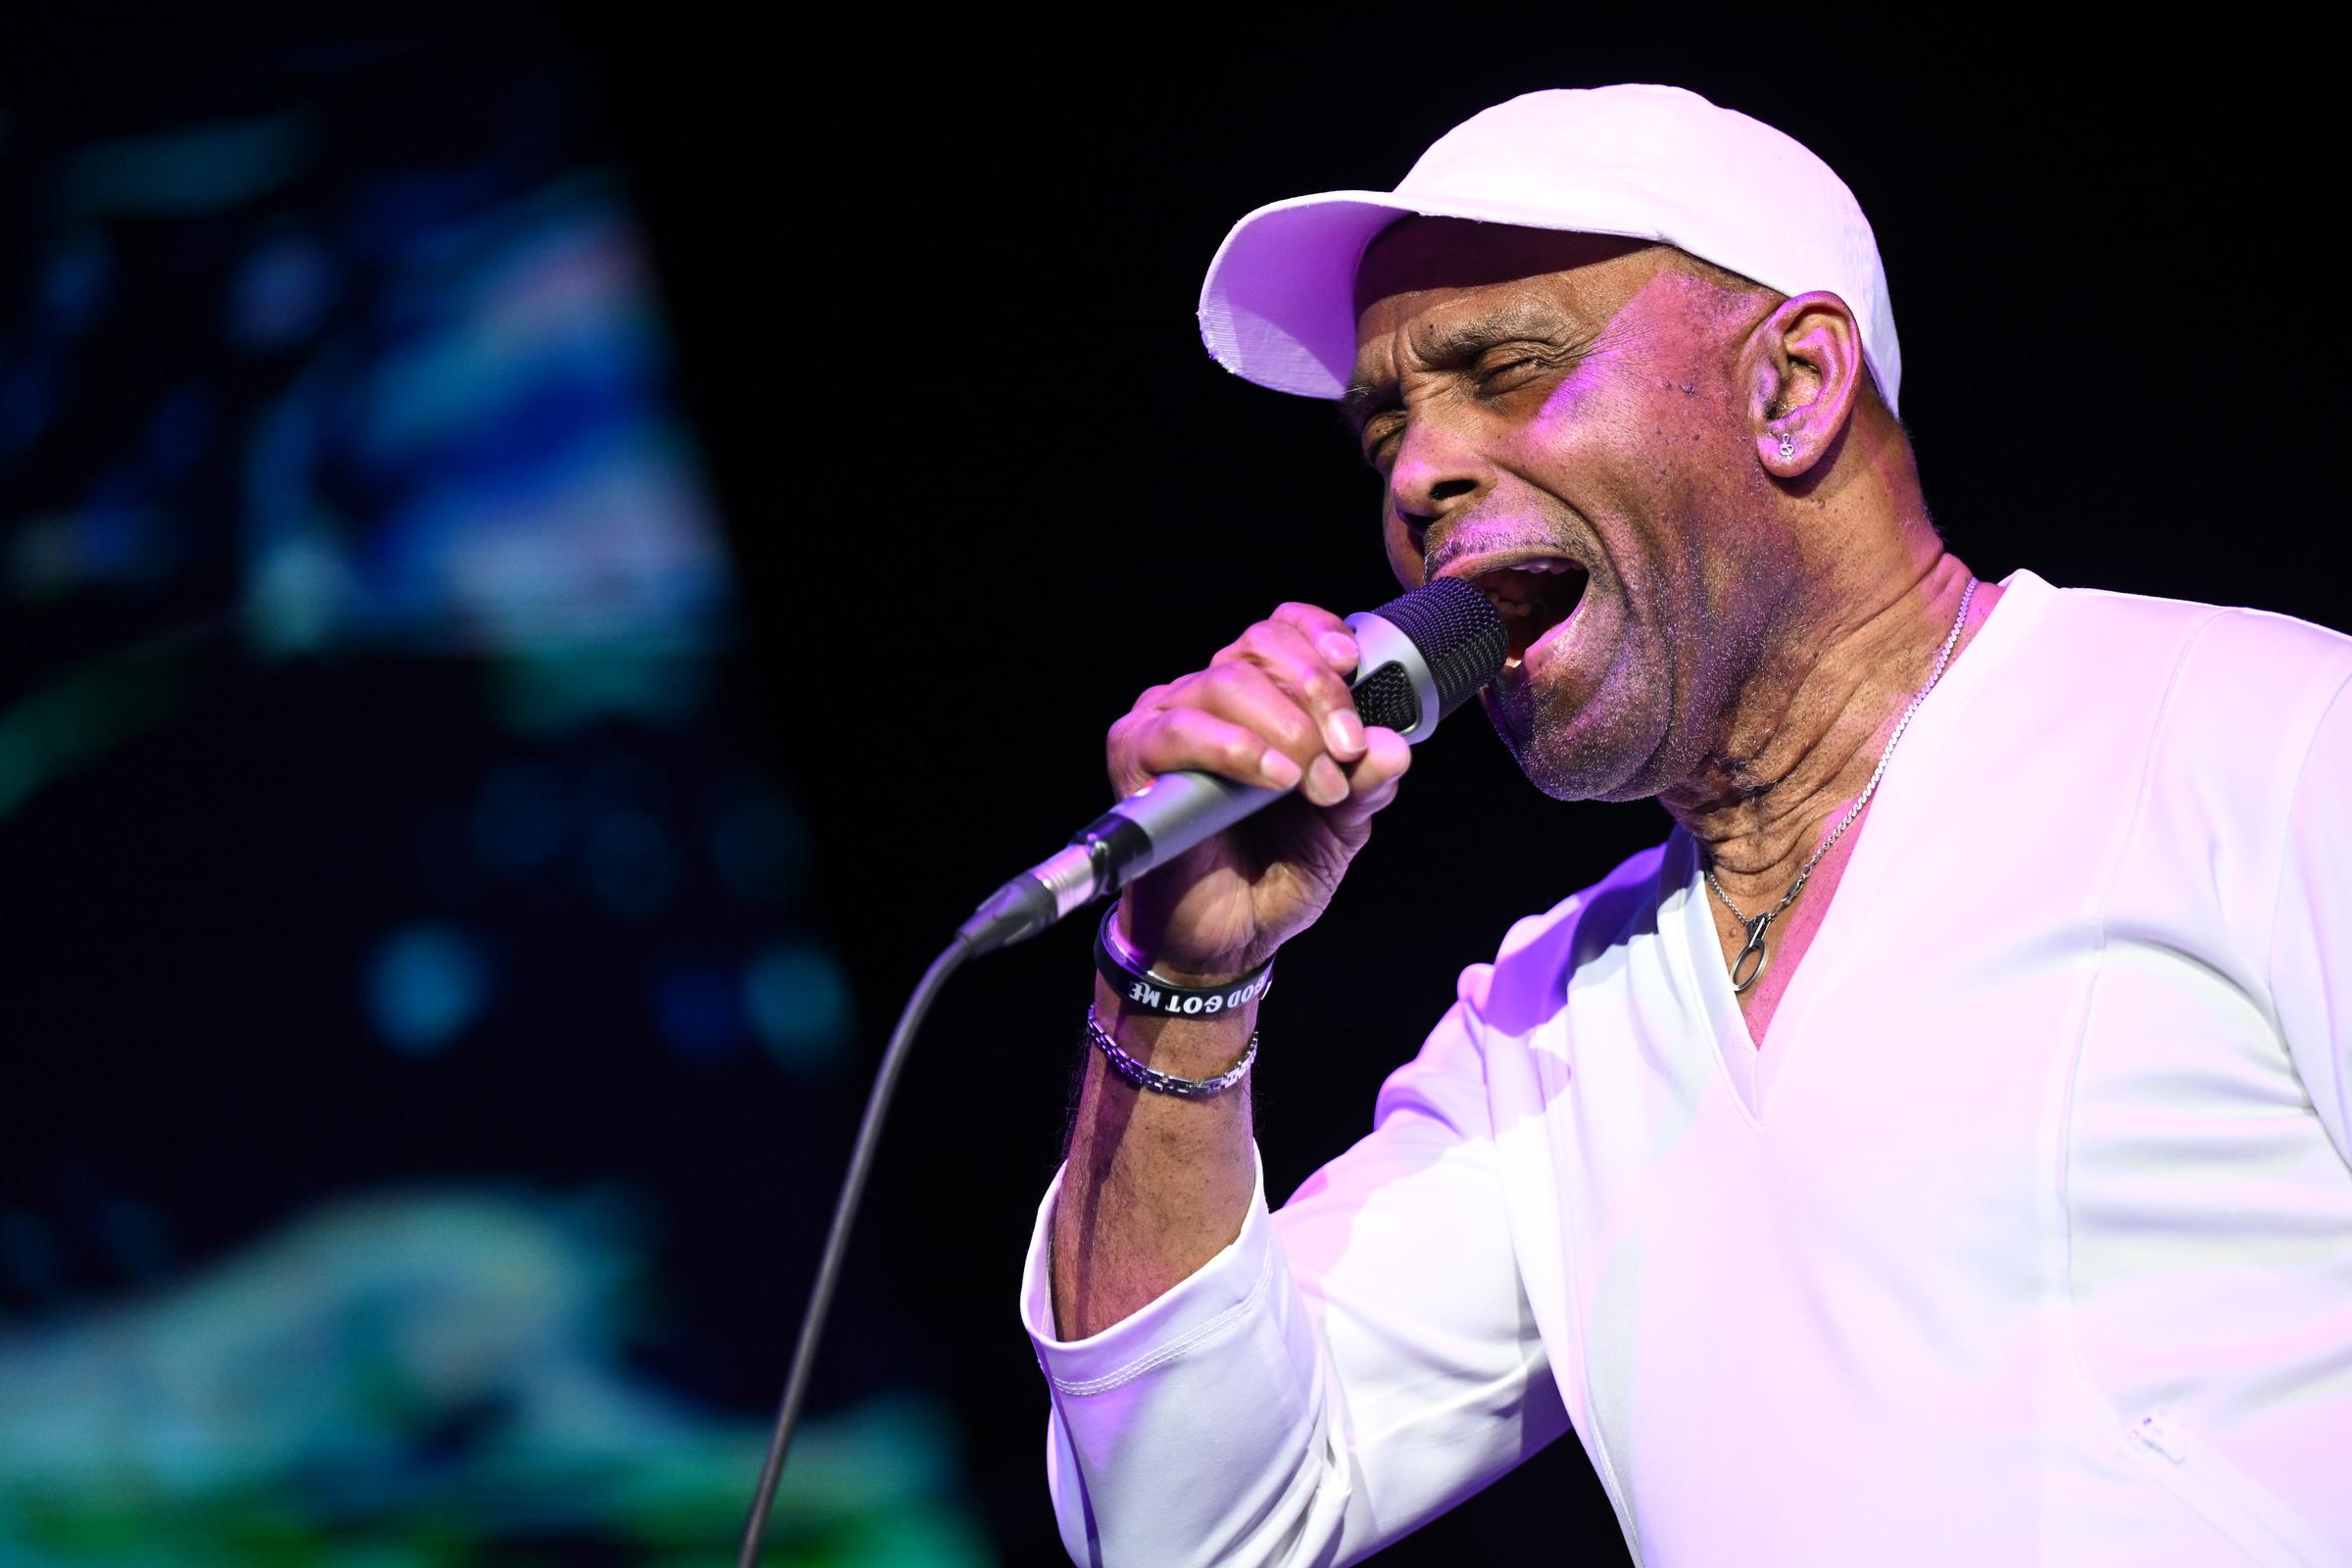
1748,965
1743,972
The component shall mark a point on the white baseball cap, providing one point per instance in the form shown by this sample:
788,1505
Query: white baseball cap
1645,161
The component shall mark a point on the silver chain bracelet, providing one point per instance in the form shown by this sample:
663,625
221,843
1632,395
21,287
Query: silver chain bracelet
1164,1083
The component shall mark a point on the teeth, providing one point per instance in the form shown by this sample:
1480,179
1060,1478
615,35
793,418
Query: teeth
1548,566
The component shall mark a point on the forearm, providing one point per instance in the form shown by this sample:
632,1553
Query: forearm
1299,1387
1156,1185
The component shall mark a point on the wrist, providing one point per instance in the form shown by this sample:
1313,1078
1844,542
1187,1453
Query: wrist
1195,970
1143,986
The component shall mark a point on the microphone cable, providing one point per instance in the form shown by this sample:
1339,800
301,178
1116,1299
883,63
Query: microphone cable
837,1237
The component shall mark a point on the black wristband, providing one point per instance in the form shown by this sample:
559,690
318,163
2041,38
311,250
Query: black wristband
1135,984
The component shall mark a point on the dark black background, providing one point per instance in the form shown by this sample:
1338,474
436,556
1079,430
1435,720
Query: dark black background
933,289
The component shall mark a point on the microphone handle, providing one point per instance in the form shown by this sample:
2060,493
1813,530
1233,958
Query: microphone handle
1199,805
1392,685
1157,823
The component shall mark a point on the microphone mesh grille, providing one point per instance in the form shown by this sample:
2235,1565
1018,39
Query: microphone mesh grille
1459,633
1386,698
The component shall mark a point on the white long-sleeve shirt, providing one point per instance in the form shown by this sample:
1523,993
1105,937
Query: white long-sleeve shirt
2027,1237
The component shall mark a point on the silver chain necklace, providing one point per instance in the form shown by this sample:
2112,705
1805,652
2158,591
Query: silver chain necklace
1752,956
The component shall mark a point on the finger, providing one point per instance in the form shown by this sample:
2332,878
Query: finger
1374,779
1175,739
1331,635
1287,653
1241,690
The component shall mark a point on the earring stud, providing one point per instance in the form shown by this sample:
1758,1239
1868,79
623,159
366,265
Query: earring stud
1788,449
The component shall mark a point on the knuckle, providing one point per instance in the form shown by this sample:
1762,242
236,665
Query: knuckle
1208,687
1285,652
1329,691
1245,685
1127,732
1297,733
1195,689
1311,618
1266,707
1158,744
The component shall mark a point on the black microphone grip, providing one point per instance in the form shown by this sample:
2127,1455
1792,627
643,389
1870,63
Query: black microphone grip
1418,657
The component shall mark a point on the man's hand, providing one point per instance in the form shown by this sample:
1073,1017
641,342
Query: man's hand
1272,708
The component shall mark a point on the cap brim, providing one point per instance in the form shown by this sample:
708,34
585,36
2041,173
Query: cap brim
1278,307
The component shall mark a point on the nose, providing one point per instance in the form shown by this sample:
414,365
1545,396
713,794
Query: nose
1435,473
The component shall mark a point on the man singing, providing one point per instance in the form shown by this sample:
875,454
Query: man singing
1938,1150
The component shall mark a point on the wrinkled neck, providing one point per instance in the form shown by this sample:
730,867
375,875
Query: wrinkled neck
1805,731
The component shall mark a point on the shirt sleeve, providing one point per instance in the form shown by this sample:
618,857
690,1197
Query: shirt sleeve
1344,1370
2311,935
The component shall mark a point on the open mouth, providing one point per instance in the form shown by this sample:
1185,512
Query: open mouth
1533,597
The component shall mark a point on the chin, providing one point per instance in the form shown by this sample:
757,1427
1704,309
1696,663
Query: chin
1614,747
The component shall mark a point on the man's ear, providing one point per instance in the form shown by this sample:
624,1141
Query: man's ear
1804,370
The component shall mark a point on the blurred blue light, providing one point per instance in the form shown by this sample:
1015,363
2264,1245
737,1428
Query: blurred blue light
800,1005
281,296
504,406
27,399
302,593
698,1012
520,819
632,868
75,283
761,847
426,983
179,434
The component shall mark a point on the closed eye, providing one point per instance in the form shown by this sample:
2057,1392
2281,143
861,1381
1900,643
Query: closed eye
1508,372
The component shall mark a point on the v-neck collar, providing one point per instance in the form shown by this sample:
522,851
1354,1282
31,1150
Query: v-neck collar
1689,926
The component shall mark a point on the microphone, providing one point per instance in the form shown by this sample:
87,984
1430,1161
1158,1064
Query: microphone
1419,657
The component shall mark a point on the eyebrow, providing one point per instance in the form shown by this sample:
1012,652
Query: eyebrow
1450,343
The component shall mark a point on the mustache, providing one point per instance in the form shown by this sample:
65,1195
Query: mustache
1500,536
